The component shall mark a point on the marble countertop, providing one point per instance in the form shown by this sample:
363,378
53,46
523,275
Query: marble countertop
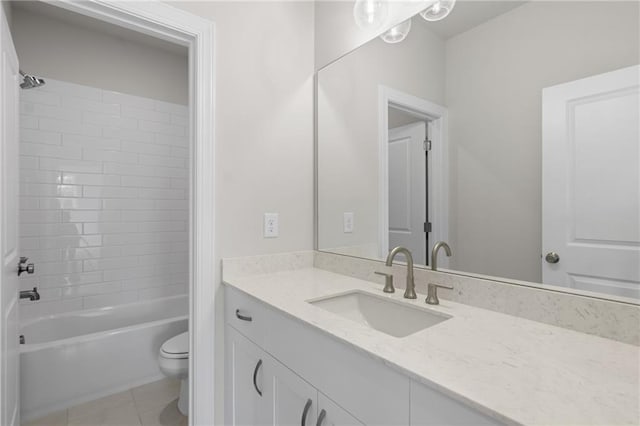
512,369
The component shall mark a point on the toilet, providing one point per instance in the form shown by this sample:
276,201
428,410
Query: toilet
173,359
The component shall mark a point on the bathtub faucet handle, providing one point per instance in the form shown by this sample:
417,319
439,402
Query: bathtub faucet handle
29,268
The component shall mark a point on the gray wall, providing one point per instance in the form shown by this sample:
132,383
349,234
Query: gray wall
55,47
495,76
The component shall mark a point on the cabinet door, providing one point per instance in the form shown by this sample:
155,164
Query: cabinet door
331,414
249,401
429,407
294,400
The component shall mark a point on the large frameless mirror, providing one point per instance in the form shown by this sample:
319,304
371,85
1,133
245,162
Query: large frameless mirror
508,129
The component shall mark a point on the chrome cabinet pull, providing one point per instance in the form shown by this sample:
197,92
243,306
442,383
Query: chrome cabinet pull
255,375
243,317
321,417
307,406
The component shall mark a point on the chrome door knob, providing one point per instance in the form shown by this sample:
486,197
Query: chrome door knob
552,257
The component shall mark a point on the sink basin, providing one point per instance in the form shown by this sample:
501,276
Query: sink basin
380,313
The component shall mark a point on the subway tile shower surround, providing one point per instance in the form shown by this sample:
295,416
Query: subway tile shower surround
103,197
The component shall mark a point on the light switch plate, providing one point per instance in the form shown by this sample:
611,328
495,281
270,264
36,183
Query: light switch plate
348,222
271,225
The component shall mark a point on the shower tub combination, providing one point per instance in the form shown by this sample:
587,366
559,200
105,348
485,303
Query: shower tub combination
79,356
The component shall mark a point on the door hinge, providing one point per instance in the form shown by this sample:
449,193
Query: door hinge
427,227
426,145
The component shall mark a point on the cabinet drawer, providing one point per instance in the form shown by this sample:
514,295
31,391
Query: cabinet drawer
246,315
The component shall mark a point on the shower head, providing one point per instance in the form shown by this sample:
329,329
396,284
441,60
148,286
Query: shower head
30,81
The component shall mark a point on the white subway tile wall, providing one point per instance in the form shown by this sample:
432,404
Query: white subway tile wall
103,197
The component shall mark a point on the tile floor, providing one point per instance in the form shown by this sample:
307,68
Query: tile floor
153,404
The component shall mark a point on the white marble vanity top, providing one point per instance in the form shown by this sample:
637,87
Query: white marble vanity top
515,370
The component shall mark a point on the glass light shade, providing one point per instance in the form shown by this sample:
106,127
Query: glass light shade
439,10
397,33
370,14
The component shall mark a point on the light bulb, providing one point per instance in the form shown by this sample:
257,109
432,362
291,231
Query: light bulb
397,33
438,10
370,14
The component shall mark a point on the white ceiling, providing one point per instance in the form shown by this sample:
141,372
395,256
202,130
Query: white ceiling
75,19
467,14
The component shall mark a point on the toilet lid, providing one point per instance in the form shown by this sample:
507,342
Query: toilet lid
177,346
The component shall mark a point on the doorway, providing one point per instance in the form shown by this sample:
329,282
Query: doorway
166,23
413,183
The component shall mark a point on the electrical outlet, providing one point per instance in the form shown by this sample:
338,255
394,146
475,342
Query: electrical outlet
270,225
348,222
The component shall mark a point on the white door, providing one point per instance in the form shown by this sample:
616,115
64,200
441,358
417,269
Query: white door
294,400
249,397
9,346
591,184
407,189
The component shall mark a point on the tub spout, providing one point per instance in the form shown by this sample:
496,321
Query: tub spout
32,295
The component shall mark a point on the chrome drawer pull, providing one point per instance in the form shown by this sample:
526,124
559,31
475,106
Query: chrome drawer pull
243,317
255,375
303,422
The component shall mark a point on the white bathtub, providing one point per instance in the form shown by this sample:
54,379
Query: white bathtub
75,357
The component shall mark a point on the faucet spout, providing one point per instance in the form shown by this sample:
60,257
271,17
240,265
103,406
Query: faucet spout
434,253
410,291
32,295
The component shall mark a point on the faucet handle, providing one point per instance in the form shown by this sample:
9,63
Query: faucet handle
432,293
388,282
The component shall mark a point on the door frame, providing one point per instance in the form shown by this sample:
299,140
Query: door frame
166,22
438,191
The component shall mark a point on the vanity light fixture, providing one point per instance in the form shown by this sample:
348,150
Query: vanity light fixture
370,14
438,10
397,33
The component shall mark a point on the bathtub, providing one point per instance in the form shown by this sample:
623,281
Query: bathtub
75,357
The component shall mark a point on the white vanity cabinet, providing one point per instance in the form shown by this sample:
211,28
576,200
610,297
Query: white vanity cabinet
247,396
330,414
431,408
265,392
280,371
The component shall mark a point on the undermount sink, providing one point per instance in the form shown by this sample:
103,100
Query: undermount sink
380,313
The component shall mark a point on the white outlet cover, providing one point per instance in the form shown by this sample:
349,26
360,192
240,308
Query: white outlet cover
271,226
348,222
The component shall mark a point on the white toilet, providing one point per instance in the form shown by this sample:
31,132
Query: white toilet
174,362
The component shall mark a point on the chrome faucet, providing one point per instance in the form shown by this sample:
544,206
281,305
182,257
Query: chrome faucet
432,289
32,295
410,291
434,253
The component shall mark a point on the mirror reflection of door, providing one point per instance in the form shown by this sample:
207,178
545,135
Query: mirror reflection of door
591,184
408,184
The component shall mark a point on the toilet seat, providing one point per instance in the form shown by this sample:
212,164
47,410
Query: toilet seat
177,347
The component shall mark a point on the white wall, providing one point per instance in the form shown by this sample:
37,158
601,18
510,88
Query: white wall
103,192
495,76
348,128
264,132
57,46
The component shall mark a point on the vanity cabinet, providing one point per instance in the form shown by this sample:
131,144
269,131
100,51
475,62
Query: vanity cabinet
247,396
280,371
265,392
431,408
